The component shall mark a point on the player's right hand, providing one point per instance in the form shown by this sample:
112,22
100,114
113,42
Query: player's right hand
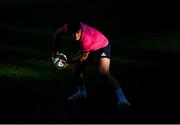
65,64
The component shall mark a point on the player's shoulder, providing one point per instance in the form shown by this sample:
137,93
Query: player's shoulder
85,24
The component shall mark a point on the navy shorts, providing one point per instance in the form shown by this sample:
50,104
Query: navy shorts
94,56
101,53
104,52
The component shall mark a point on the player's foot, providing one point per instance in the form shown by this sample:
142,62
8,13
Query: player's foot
123,104
77,95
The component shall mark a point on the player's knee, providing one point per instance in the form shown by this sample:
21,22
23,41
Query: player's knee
104,74
77,74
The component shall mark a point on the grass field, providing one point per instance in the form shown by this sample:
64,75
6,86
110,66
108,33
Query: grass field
32,91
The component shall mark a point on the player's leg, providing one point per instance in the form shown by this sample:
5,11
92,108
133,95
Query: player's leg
104,70
78,78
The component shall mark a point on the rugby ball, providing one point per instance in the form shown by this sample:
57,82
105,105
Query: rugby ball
59,60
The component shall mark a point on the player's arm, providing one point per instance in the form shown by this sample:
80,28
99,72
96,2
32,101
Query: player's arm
80,58
84,56
77,59
56,37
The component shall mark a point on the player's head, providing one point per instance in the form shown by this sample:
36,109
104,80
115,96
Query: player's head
74,28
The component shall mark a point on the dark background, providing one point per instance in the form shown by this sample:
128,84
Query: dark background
153,90
117,16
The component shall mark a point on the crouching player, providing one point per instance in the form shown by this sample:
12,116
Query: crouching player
93,44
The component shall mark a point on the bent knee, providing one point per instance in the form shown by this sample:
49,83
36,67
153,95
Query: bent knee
104,74
104,71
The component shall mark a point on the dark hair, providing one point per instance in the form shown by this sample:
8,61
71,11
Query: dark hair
73,26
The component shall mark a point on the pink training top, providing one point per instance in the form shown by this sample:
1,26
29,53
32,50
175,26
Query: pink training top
91,38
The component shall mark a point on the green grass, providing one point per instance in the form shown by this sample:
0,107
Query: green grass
152,44
27,62
24,63
35,68
29,69
168,41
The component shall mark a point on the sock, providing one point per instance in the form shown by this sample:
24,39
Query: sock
82,89
120,95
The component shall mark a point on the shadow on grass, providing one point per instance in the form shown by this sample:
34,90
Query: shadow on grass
149,84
